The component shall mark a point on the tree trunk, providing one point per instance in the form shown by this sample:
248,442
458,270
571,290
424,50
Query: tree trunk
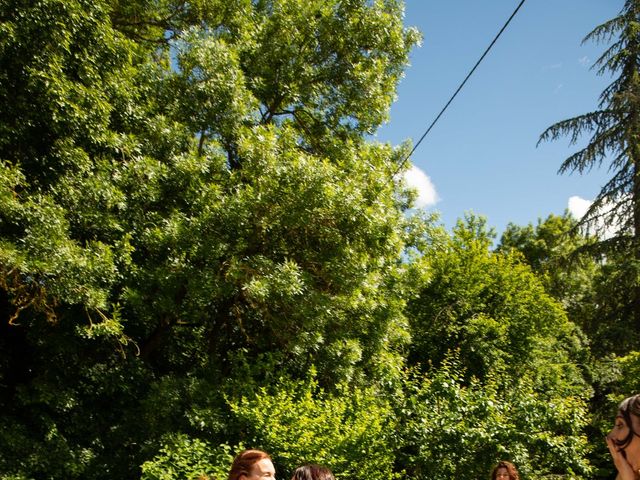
636,234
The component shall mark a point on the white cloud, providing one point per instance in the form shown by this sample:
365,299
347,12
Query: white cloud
578,207
558,88
584,61
427,195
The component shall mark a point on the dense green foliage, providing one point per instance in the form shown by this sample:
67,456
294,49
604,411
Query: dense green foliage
458,428
593,289
495,312
611,307
201,249
502,365
186,190
351,432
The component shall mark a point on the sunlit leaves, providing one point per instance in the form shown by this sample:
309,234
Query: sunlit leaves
461,428
349,432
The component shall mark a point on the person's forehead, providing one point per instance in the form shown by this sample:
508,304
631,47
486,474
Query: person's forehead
619,416
263,466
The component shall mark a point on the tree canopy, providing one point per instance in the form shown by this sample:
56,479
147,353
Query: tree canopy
202,248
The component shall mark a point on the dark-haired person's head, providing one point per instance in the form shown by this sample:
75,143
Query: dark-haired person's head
252,464
312,472
505,471
625,427
624,438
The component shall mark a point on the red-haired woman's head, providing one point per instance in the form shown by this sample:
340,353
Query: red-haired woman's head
253,465
505,471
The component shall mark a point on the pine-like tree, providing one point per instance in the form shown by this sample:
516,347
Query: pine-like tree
615,138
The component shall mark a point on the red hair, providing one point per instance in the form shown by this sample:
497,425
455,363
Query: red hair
511,470
244,462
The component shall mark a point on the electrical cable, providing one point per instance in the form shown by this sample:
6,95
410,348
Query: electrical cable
401,166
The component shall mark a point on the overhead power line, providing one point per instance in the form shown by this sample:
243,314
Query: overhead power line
459,88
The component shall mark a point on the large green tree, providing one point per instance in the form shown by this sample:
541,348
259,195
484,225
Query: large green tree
593,291
494,311
502,367
187,197
614,131
595,294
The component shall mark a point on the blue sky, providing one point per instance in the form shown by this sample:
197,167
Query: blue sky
481,156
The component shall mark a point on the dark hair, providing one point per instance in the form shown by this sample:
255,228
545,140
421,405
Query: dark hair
629,406
511,470
244,461
312,472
